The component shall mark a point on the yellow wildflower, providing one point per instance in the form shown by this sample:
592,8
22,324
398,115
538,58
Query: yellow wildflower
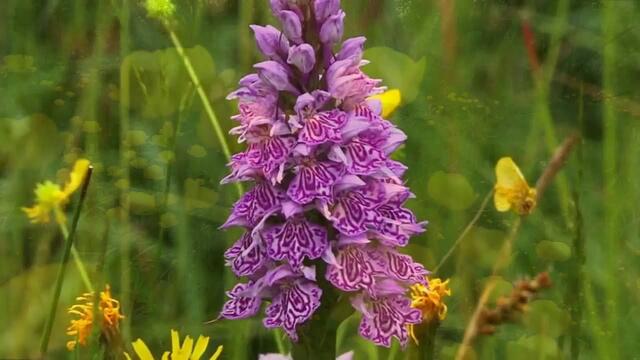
186,351
390,101
81,328
512,190
430,300
53,197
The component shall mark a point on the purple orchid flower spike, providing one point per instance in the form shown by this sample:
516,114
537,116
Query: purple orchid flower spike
332,29
303,57
325,186
271,42
291,25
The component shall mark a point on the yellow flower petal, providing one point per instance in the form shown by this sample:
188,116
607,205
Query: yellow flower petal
142,350
512,190
186,349
390,100
76,177
175,342
200,348
216,355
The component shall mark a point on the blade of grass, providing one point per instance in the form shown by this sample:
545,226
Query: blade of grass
44,343
125,246
610,26
466,231
213,119
76,258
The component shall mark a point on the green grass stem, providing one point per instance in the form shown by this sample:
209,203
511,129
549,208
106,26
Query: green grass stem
44,343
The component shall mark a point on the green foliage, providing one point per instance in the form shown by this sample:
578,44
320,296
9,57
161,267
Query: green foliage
398,70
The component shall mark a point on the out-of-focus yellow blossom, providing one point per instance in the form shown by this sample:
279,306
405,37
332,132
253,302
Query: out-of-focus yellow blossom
81,327
390,100
186,351
430,300
512,190
160,9
53,197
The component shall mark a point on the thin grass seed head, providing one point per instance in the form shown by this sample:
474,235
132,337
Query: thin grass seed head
52,197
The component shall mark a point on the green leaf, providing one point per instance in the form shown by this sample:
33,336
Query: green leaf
397,70
547,318
553,250
451,190
159,80
533,347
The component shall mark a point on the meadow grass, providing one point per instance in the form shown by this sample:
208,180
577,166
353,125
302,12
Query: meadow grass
101,80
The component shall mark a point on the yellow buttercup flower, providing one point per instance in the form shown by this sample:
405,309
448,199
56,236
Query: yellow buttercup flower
512,190
81,327
186,351
390,101
430,300
52,197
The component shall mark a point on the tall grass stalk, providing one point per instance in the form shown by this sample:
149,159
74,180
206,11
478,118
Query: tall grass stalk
76,258
44,343
211,115
574,296
125,206
610,26
466,231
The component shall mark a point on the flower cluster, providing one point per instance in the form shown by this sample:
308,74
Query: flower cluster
430,301
325,186
80,328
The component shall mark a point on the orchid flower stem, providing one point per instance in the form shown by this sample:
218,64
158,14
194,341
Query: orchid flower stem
277,335
68,246
203,97
465,232
76,258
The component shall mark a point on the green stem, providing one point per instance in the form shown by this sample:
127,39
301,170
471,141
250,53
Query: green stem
277,336
611,172
203,97
124,105
466,230
74,252
44,343
575,290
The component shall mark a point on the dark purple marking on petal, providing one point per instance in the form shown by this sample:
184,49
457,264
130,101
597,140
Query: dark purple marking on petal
354,270
241,305
353,211
388,317
296,239
314,180
323,127
363,158
246,256
254,205
292,306
397,266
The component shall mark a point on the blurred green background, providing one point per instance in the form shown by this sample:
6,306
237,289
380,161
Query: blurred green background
480,79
